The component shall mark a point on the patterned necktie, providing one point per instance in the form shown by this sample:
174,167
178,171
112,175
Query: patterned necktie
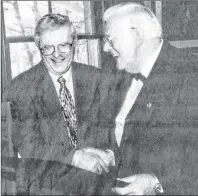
68,110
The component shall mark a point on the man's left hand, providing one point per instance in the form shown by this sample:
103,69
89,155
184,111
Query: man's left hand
139,184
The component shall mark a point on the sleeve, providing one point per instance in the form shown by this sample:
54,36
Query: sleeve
106,116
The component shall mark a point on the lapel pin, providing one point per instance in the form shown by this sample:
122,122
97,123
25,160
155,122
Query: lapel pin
148,105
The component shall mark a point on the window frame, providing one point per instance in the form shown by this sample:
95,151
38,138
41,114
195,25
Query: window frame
7,40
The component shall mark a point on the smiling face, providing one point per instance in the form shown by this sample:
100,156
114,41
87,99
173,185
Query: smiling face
58,40
122,41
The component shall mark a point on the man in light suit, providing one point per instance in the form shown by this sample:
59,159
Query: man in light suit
53,109
145,109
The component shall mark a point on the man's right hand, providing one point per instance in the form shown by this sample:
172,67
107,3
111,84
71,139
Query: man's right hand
89,161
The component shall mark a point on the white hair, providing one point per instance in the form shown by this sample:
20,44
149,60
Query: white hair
139,16
50,22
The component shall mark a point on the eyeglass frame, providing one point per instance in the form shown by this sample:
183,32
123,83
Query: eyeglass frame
70,44
110,40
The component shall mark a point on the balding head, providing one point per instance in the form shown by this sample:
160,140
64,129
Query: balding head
52,22
136,16
132,34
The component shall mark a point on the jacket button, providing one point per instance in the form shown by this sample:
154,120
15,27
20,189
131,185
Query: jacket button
125,138
148,105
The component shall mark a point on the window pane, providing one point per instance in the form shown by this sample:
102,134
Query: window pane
81,54
86,51
22,16
94,52
23,57
73,9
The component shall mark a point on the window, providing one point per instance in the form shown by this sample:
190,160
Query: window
73,9
21,18
23,57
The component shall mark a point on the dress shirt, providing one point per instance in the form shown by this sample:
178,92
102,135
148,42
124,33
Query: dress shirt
132,94
69,82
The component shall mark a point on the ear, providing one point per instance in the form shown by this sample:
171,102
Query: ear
75,39
37,41
140,35
158,188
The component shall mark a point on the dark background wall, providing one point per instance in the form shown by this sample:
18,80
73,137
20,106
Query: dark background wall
180,20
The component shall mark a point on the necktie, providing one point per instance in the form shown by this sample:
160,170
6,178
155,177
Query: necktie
139,76
126,77
68,110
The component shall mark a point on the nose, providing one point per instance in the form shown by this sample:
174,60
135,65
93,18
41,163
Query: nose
56,52
107,47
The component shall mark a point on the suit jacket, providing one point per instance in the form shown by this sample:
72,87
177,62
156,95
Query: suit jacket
39,130
160,130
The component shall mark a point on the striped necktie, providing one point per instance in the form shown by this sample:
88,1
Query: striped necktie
68,110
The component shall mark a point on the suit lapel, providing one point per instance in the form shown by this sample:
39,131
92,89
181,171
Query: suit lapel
123,81
48,98
77,89
144,99
83,90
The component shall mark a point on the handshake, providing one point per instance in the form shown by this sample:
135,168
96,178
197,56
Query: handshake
98,161
93,159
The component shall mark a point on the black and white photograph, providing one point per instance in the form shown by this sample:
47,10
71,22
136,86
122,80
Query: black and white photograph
99,97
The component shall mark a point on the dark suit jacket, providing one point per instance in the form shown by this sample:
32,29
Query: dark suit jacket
160,130
39,131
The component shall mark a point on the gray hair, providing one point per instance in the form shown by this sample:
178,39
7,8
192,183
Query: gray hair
52,21
139,17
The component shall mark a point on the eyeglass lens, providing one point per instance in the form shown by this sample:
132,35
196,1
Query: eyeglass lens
49,50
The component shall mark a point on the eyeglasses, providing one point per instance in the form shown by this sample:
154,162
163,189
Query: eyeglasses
109,40
63,48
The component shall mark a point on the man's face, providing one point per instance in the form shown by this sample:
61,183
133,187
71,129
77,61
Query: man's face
57,49
121,41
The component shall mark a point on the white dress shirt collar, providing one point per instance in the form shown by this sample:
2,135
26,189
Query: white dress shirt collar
151,61
69,82
66,75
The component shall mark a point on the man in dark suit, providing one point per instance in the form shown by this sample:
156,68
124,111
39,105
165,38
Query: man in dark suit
53,109
145,107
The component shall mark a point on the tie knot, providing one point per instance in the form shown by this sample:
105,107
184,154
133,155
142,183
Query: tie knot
61,80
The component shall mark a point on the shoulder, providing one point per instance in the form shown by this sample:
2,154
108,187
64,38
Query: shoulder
22,84
86,73
86,68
